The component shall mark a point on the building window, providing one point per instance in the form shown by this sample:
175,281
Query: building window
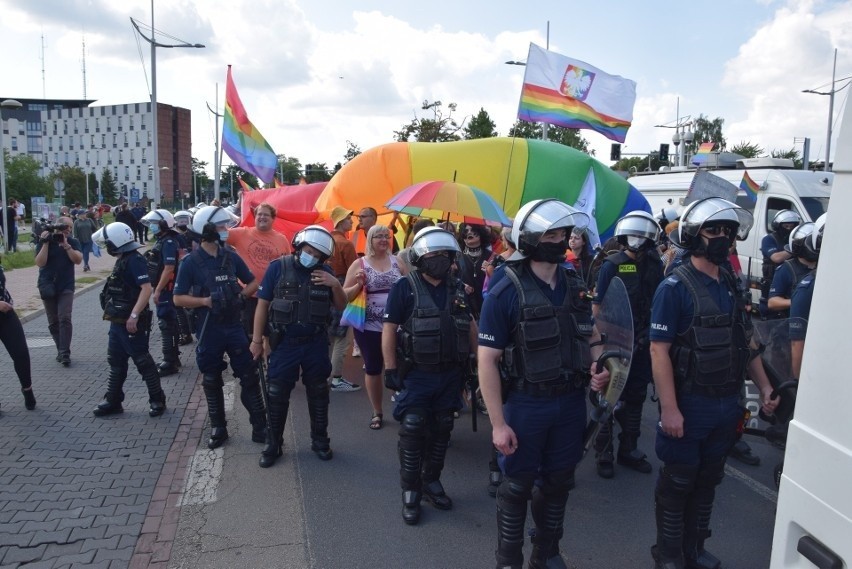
34,144
15,143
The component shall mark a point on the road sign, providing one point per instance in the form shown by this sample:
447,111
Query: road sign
58,185
134,194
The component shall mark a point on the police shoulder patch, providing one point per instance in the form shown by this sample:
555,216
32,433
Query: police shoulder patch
627,268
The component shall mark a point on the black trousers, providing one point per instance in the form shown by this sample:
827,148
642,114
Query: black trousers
12,336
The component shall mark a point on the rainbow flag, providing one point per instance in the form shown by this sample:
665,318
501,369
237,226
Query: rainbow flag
703,152
355,313
241,141
573,94
750,187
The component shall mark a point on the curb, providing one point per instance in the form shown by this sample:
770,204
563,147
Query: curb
77,292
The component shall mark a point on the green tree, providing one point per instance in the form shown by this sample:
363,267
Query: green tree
289,169
352,150
633,164
75,184
317,173
438,128
230,181
747,149
201,179
706,130
792,154
561,135
480,126
23,180
109,191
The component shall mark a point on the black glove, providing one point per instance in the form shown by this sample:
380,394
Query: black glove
392,380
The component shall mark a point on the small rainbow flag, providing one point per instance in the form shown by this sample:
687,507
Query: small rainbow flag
703,152
241,141
355,313
750,187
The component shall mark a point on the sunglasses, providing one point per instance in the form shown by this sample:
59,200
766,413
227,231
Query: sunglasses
471,235
718,230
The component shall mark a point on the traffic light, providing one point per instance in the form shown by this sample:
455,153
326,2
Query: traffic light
664,153
615,152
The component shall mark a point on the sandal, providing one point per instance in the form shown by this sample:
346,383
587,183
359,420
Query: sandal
377,421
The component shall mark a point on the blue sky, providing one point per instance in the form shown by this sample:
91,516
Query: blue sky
314,74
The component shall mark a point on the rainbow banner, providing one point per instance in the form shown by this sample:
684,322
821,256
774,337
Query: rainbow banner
570,93
703,152
750,187
242,142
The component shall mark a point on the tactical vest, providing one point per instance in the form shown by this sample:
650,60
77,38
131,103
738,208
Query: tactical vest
768,271
641,278
118,299
298,302
435,339
711,356
221,285
549,344
154,259
799,271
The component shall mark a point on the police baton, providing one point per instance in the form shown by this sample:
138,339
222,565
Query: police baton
203,327
472,383
264,389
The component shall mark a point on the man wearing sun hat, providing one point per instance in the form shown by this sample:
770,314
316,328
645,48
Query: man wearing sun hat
340,338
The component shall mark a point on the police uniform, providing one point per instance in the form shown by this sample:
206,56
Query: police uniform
183,322
787,276
769,245
118,297
709,332
433,346
166,252
641,277
544,334
219,330
298,319
800,306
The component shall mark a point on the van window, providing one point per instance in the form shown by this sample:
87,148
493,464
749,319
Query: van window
815,206
745,202
773,206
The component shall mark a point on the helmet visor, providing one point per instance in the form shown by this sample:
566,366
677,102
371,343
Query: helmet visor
433,240
551,215
714,211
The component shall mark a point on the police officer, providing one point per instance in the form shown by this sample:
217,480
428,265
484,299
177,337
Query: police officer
800,304
537,324
295,298
427,337
162,261
189,241
700,350
639,266
774,254
207,282
125,304
788,275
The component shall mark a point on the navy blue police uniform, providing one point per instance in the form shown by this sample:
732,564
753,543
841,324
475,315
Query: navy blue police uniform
800,307
298,320
433,346
182,314
787,276
769,245
165,253
219,330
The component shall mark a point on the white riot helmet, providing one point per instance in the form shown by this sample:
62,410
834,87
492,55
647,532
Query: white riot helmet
637,230
798,237
785,216
317,237
666,215
160,218
538,217
116,238
710,212
430,240
813,243
207,220
182,218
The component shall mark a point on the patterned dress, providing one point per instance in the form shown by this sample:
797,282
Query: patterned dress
378,286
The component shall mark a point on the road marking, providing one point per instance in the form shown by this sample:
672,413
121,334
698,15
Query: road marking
759,488
40,342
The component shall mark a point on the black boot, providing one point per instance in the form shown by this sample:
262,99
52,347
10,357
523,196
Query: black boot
629,417
148,370
184,329
111,403
548,512
317,394
279,405
433,465
411,447
252,400
411,507
603,450
674,485
29,398
512,497
212,385
699,509
171,356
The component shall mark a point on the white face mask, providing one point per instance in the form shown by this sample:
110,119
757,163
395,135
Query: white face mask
307,260
634,242
223,236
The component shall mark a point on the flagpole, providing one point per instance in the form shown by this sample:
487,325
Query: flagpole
544,124
217,156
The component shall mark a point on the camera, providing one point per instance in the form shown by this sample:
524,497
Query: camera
56,229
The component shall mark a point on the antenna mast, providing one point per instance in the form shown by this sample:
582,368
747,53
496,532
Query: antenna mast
84,67
43,85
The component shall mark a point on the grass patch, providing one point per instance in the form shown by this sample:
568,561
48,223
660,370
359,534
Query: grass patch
87,280
18,260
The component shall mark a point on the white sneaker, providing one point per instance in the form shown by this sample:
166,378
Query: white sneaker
340,385
356,351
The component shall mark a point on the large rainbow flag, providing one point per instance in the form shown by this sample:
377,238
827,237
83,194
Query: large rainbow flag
570,93
242,142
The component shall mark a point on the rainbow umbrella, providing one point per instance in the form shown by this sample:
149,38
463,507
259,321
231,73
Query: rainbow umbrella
449,200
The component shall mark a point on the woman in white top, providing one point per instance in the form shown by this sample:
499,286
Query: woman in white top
377,270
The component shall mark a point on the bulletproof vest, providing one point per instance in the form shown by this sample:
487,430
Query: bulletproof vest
641,278
221,285
711,356
117,299
768,270
154,258
435,339
799,270
549,343
298,302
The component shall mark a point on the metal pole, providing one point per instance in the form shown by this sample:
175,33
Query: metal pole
156,146
217,164
830,114
3,185
544,125
87,189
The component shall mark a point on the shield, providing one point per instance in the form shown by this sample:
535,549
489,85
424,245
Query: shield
773,339
614,321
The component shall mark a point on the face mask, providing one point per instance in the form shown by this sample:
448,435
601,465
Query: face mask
155,229
307,260
550,252
436,267
223,236
635,243
717,250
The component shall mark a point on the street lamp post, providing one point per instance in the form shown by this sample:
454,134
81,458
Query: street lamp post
154,46
830,109
7,104
156,176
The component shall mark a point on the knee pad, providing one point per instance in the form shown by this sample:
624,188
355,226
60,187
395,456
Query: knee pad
116,360
676,481
558,482
413,424
209,380
635,394
144,361
710,475
279,391
515,490
442,424
317,390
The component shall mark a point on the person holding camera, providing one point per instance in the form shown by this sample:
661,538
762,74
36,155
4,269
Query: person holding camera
56,254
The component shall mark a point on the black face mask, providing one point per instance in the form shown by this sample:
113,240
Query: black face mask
717,250
550,252
436,267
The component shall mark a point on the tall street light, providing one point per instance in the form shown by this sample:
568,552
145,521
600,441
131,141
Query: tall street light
7,104
154,46
830,109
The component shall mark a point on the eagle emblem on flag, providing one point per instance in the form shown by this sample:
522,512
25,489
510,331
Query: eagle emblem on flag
577,82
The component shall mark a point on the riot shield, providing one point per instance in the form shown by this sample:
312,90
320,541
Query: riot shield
773,340
614,322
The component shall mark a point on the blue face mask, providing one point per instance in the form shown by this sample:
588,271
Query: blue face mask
307,260
223,236
154,228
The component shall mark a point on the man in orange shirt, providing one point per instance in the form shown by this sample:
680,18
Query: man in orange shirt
258,246
340,338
